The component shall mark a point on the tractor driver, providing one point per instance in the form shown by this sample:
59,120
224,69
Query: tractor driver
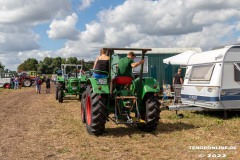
126,64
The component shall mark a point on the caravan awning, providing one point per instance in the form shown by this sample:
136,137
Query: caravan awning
179,59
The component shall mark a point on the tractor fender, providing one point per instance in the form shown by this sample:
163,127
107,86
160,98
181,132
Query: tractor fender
98,88
148,85
149,89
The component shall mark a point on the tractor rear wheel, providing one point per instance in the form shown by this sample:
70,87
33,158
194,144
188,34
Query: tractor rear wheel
151,113
60,96
27,83
83,107
96,112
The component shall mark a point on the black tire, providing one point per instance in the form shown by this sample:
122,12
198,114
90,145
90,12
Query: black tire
151,113
83,107
56,94
27,83
60,96
96,113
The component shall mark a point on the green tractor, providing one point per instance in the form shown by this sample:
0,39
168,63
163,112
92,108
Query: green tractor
129,100
70,82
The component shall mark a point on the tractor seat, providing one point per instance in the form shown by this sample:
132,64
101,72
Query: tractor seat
122,80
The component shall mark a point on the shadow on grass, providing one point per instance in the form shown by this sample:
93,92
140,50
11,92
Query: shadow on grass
219,114
161,128
70,100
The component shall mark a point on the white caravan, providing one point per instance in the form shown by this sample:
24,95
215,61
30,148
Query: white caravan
212,80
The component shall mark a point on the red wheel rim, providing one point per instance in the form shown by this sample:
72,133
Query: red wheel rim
88,110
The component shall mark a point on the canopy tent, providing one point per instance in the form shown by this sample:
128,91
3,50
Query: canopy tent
179,59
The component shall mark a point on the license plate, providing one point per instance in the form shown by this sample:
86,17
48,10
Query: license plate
74,88
193,97
102,81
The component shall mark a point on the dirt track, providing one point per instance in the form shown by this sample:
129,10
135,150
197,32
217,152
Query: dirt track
36,126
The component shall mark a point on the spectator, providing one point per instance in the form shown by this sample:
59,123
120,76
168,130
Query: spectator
48,84
16,82
38,82
178,78
54,80
12,83
101,64
177,85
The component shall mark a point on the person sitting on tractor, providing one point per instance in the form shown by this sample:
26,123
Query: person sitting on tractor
126,64
101,64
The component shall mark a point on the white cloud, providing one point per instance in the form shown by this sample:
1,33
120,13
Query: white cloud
94,33
209,37
210,17
64,29
85,4
153,24
31,12
135,23
17,39
17,19
210,5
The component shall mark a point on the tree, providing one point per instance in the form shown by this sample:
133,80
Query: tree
2,66
50,65
46,66
28,65
72,60
88,65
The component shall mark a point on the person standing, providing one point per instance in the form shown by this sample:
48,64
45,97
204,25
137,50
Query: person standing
38,82
178,78
12,83
177,85
48,80
16,82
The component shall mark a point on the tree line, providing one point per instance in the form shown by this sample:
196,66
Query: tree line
50,65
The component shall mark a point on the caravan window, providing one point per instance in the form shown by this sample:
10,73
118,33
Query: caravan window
237,72
202,73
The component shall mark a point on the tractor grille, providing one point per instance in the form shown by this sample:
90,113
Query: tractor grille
74,84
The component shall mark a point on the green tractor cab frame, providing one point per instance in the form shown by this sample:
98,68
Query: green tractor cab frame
122,96
71,83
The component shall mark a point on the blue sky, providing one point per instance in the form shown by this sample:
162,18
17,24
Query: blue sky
79,28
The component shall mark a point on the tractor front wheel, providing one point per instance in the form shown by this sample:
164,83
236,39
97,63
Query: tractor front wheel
27,83
151,113
96,113
60,96
83,107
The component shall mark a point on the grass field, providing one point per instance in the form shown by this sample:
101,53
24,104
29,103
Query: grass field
36,126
